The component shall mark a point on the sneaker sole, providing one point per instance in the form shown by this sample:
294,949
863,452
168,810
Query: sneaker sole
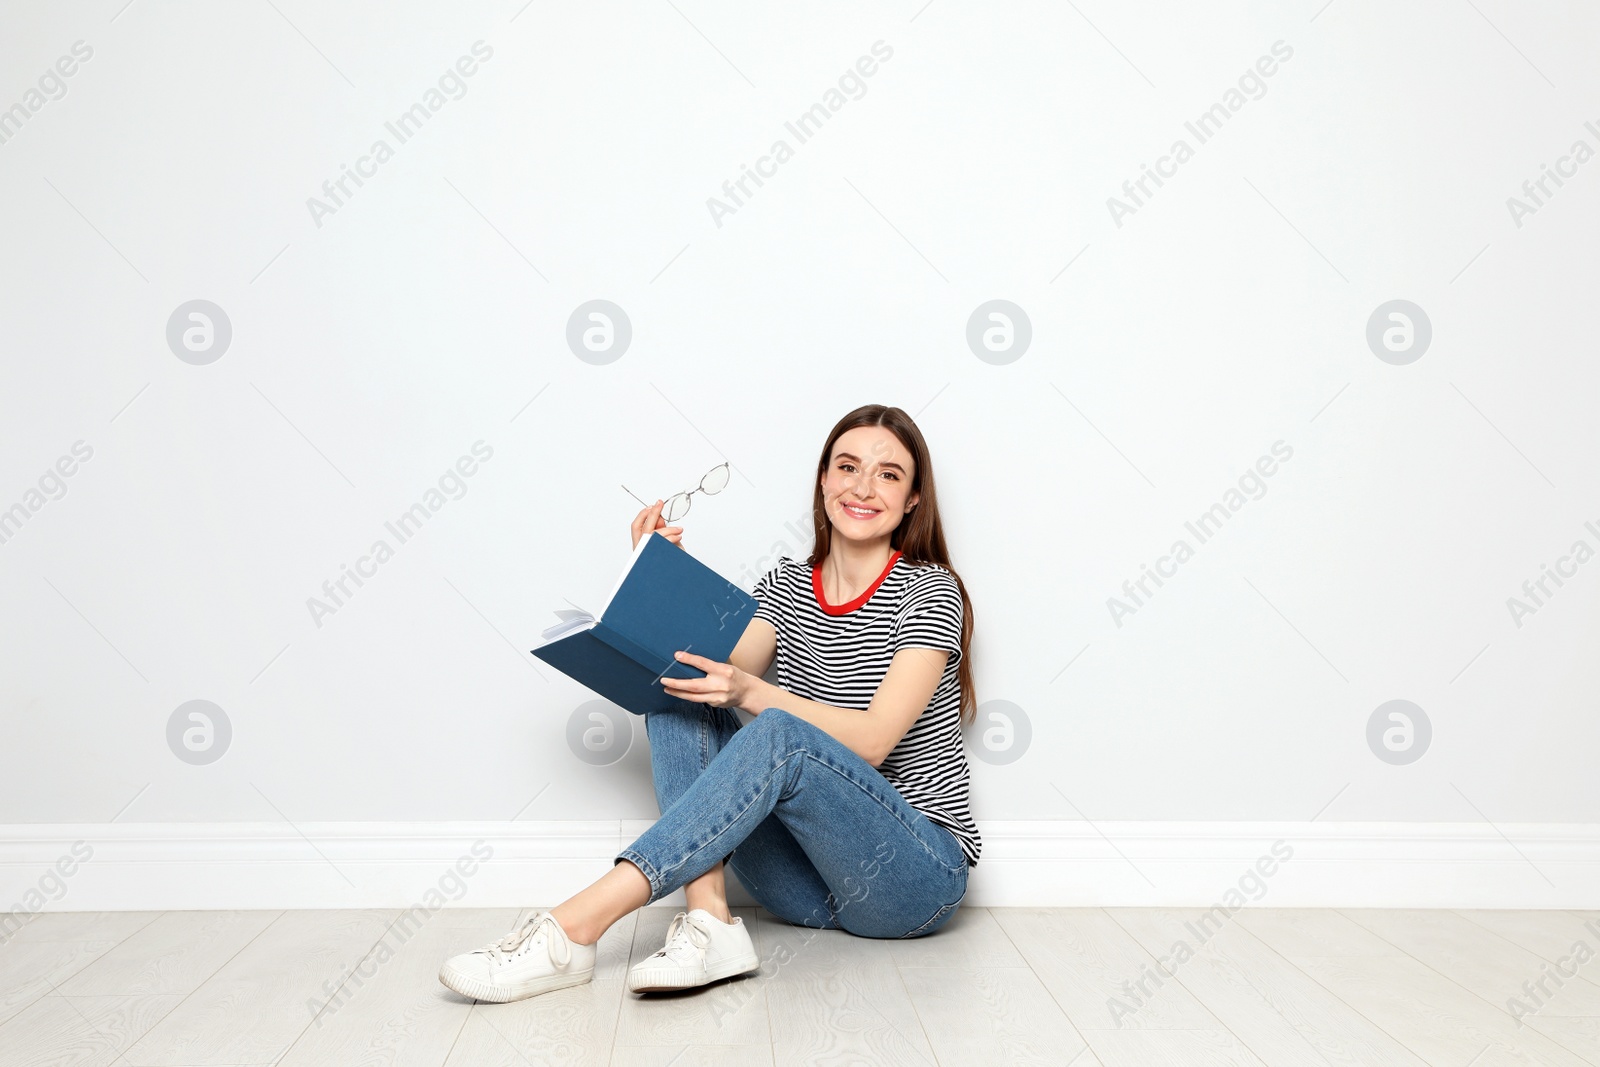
479,989
665,981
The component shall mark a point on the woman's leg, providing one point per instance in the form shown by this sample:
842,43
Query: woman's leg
770,863
683,742
888,870
684,739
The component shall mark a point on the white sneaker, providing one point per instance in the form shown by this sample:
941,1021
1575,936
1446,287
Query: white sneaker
699,949
536,957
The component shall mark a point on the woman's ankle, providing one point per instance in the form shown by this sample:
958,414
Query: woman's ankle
716,909
578,932
709,893
619,892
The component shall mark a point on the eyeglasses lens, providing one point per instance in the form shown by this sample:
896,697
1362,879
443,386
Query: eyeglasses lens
716,480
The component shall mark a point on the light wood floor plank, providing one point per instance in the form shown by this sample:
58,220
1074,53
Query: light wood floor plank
833,997
1273,1008
1103,978
1431,1015
1313,932
574,1027
1579,1036
1173,1048
1564,940
1548,932
994,1015
80,1031
1477,959
693,1056
401,1016
259,1002
84,925
173,954
30,970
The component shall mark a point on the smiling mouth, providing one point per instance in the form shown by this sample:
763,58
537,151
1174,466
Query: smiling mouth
860,513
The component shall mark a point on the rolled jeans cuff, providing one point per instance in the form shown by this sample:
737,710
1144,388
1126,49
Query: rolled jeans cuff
647,869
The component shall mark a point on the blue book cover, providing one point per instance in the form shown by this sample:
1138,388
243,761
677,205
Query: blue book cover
666,600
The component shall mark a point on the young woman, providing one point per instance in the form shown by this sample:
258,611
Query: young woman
843,804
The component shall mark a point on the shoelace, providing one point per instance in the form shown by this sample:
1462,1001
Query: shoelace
531,932
686,935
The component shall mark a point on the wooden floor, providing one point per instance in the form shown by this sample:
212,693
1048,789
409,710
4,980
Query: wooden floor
995,985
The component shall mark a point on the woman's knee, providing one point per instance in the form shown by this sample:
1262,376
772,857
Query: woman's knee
776,721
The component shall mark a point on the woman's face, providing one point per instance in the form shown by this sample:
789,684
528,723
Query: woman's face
869,469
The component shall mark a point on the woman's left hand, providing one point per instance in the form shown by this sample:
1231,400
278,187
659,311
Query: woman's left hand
724,686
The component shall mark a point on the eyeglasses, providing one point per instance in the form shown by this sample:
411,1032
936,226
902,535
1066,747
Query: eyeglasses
676,507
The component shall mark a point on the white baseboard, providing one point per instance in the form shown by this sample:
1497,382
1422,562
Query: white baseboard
165,866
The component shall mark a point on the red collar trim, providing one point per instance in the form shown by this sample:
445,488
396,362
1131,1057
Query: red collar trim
845,609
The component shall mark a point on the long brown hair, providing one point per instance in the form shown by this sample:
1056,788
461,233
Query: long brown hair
920,535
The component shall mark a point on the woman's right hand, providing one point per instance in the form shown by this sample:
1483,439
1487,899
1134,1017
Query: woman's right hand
649,521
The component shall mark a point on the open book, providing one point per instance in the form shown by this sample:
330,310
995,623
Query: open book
665,600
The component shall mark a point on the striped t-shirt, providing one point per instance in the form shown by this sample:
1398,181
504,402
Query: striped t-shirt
839,654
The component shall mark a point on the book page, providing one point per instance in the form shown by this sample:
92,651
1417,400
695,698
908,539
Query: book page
571,622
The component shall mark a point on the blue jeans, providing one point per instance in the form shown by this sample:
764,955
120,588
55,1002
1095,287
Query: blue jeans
816,834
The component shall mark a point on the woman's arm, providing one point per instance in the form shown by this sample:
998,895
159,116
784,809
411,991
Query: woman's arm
872,734
901,697
757,648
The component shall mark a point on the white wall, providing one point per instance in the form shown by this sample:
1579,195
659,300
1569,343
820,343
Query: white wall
1170,349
